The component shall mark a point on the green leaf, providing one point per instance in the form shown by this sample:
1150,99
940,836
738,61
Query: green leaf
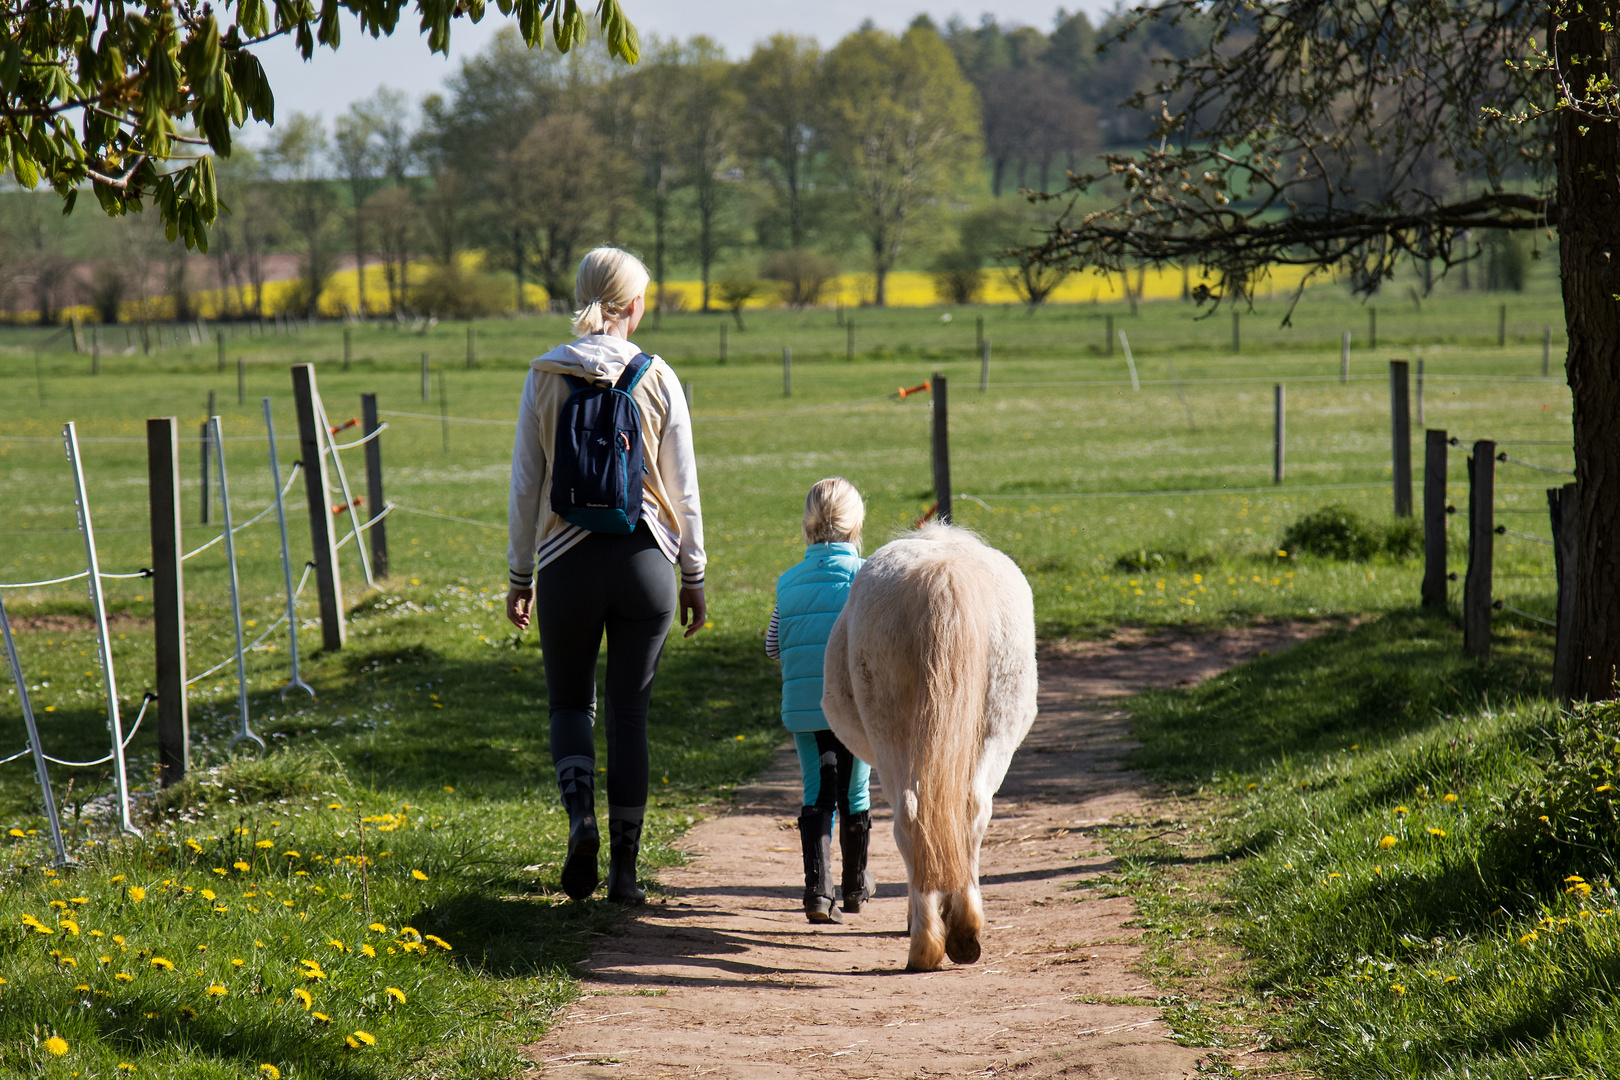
69,200
10,64
22,165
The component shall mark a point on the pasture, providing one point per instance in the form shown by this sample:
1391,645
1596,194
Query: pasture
1148,508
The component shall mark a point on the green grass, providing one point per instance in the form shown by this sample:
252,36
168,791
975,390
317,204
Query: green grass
1120,513
1425,849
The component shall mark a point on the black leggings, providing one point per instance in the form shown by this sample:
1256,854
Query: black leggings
625,585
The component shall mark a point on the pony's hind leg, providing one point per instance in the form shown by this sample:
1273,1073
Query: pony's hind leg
963,918
927,932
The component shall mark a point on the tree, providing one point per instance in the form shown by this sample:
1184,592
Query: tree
559,184
707,117
903,127
655,113
243,235
297,158
391,213
364,157
1321,134
96,95
781,85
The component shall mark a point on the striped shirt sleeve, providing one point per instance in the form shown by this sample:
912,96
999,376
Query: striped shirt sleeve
773,647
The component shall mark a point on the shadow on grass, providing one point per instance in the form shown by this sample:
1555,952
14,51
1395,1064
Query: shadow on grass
1393,676
517,936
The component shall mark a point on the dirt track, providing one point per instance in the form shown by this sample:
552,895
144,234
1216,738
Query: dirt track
726,979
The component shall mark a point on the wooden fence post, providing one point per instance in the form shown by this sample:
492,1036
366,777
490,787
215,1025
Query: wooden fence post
1565,529
425,379
1372,328
1434,519
95,350
1419,393
1481,542
1401,437
318,493
378,531
1279,407
207,502
221,365
787,371
942,449
168,597
984,365
1501,326
1237,340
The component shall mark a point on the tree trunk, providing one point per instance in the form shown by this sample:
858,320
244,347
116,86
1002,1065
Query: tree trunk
1589,231
360,264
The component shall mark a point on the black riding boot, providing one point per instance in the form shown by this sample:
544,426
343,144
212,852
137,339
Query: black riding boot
854,830
624,846
576,780
815,839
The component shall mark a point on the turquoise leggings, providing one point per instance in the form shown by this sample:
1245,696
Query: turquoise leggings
834,778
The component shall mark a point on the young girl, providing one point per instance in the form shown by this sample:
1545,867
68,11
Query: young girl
808,600
577,583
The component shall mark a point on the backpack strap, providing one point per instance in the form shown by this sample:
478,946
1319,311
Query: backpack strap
633,371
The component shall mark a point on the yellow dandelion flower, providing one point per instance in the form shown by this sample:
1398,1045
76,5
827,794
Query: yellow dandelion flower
1572,878
369,952
1398,988
136,893
56,1046
338,945
160,962
124,976
1543,820
124,1066
118,939
240,866
292,855
1436,832
265,845
115,879
70,926
209,894
1452,978
434,939
17,833
1528,938
349,1041
366,1037
1449,798
78,899
413,946
187,1013
217,990
270,1071
397,994
1388,842
418,875
194,846
378,928
320,1018
304,998
1402,810
103,960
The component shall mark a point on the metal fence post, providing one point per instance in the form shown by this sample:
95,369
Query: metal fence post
1481,544
168,597
318,492
942,449
378,529
1434,519
1279,407
1400,437
221,364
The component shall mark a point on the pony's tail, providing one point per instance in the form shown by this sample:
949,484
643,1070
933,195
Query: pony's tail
953,660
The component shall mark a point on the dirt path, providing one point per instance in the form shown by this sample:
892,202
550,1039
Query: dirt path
726,979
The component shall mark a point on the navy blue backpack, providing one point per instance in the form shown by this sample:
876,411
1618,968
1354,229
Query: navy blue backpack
597,463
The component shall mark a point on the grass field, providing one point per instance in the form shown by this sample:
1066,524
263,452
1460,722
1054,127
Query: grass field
428,734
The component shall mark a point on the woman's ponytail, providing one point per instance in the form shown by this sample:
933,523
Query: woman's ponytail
608,282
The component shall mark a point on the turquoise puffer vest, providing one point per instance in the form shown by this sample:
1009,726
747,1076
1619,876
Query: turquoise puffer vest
808,600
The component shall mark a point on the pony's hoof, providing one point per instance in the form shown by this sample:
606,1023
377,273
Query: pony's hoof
963,950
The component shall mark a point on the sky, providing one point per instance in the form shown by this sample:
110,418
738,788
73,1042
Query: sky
331,81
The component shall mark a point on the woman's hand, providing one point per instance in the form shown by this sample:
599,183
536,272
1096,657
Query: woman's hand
519,603
693,610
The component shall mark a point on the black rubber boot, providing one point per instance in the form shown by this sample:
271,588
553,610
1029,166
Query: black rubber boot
624,847
815,839
576,780
854,832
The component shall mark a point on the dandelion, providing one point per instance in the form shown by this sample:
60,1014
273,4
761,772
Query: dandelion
292,855
366,1037
70,926
1450,797
1388,842
396,994
434,939
216,990
304,998
1573,878
136,893
338,945
56,1046
369,951
194,846
1452,978
265,845
187,1013
1543,820
124,977
104,960
240,866
1528,938
160,962
1398,988
237,962
270,1071
447,787
1402,810
1606,787
124,1066
1436,832
320,1018
377,928
417,875
17,833
78,899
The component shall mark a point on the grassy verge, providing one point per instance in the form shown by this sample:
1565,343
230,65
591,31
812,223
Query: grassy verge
1421,848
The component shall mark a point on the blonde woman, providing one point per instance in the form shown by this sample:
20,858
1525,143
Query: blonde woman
809,597
618,576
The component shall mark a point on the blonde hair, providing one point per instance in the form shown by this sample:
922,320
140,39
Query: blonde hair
833,513
608,282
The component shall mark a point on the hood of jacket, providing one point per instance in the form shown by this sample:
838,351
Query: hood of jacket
597,357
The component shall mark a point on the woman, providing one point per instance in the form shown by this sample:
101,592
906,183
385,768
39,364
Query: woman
576,583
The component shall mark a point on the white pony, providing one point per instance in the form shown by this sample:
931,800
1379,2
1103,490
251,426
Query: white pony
930,676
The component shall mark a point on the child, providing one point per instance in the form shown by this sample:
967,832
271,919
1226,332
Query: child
808,600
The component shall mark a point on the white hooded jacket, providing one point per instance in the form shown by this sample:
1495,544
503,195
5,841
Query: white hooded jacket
669,489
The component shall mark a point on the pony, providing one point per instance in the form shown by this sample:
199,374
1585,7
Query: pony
930,676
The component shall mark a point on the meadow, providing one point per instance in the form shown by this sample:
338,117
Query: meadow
401,838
